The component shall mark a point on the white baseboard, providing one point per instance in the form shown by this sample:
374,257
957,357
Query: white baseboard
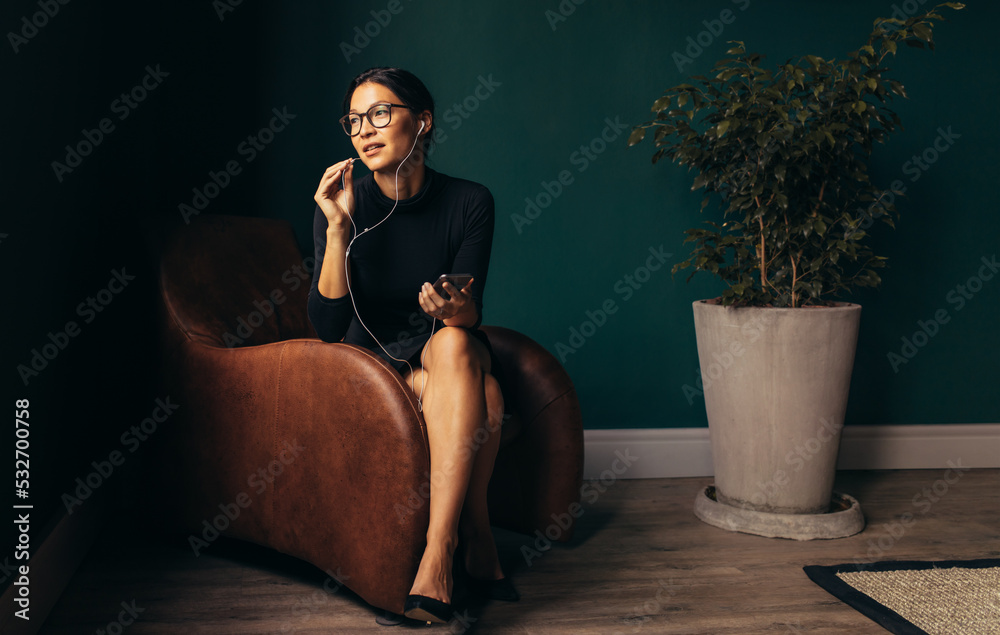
676,452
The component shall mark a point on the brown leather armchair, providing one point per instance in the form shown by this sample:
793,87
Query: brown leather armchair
315,449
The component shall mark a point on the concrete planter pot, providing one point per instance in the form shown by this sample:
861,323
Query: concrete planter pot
776,382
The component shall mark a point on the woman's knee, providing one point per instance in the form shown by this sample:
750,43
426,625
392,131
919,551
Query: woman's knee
455,345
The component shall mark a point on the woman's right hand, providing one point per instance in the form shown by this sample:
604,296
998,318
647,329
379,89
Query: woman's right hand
337,201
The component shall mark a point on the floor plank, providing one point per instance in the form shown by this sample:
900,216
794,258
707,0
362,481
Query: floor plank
640,563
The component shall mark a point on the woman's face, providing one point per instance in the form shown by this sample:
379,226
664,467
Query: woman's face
383,149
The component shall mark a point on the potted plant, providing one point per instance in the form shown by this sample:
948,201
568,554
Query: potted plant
785,153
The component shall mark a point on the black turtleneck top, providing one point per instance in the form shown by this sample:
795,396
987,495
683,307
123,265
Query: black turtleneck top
447,227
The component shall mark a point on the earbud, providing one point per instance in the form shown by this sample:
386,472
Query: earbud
421,128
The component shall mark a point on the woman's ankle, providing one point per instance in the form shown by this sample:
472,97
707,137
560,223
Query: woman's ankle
444,543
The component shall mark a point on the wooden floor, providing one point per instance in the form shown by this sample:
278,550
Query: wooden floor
640,563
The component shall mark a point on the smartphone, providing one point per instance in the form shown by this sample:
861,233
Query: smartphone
457,280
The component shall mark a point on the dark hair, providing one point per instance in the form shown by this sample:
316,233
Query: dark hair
406,85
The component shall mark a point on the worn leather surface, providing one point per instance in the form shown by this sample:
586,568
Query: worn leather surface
226,269
325,440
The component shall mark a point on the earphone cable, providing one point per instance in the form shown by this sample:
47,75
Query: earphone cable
347,275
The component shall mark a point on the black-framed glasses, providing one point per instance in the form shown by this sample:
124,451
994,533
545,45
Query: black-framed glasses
379,116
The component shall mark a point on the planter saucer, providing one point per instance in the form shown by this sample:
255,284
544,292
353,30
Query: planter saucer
844,519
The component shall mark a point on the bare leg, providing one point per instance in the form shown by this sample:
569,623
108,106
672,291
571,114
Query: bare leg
455,366
481,558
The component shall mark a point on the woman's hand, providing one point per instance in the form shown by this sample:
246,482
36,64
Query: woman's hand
435,305
336,200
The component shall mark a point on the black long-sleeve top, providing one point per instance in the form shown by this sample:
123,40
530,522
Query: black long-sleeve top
447,227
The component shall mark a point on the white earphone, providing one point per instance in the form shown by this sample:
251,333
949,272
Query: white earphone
347,265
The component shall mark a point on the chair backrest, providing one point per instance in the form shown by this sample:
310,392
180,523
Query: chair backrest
234,281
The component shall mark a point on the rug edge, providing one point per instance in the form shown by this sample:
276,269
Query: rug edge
826,578
911,565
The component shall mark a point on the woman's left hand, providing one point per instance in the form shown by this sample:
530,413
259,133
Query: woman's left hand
434,304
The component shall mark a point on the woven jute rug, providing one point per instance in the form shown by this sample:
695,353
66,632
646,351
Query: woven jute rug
950,597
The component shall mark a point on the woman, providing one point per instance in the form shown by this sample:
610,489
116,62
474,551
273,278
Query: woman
380,243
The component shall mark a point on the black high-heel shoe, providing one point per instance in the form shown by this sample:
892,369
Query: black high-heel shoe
501,589
425,609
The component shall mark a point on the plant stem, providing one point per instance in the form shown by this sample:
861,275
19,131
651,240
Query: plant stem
819,201
763,260
794,278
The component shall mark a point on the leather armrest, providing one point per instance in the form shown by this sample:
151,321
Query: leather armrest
326,443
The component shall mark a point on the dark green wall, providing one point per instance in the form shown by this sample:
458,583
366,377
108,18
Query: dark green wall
608,61
59,241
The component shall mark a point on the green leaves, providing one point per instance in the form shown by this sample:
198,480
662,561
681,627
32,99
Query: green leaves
922,31
783,155
779,172
638,134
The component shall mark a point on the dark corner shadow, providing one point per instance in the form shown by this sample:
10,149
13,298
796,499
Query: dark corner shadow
467,608
591,523
519,552
259,558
